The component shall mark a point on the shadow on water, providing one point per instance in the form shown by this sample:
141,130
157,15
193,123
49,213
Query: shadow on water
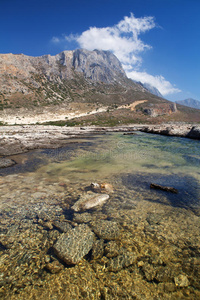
31,161
188,196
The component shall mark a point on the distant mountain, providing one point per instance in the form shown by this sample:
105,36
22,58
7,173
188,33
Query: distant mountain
190,102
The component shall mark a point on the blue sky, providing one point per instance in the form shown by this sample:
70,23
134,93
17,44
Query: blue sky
157,41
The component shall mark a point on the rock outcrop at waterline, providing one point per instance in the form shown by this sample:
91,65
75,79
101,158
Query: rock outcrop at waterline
19,139
188,131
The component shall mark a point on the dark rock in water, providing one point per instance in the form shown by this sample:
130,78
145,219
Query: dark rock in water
71,247
194,133
6,162
129,133
121,261
164,274
88,201
54,267
98,249
106,230
62,226
149,271
163,188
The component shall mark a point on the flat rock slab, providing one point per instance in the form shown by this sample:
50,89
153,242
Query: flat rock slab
106,230
6,162
71,247
88,201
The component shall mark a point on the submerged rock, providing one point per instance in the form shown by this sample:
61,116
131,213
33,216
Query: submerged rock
6,162
181,281
88,201
106,187
121,261
163,188
62,226
71,247
54,267
101,188
98,249
106,230
112,249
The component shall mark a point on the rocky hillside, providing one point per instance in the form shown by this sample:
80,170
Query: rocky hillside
71,84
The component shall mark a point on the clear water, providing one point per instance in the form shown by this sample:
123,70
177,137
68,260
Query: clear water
155,224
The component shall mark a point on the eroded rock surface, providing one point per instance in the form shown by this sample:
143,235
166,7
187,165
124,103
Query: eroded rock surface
71,247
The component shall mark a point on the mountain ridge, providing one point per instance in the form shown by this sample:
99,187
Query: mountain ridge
73,83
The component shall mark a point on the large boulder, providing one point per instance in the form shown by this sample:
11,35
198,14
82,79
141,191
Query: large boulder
71,247
6,162
194,133
88,201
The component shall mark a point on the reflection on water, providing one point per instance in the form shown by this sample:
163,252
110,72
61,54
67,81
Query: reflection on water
155,253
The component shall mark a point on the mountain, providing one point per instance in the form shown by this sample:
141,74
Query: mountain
190,102
76,83
152,89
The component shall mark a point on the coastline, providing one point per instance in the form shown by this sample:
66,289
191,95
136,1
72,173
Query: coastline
22,138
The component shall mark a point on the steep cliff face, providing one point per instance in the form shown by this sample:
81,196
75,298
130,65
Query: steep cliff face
98,66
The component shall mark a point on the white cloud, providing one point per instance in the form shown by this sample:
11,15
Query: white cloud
123,40
158,81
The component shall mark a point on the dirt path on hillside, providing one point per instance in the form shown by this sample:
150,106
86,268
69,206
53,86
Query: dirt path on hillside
133,105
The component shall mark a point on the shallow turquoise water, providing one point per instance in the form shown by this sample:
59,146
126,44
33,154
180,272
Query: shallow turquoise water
138,159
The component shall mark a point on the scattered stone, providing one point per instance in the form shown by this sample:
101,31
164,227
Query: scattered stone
181,281
48,225
149,271
95,187
164,274
82,218
101,188
106,188
107,230
163,188
88,201
71,247
112,249
121,261
98,249
62,226
54,267
6,162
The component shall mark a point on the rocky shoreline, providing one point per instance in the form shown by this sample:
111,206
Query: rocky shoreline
20,139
